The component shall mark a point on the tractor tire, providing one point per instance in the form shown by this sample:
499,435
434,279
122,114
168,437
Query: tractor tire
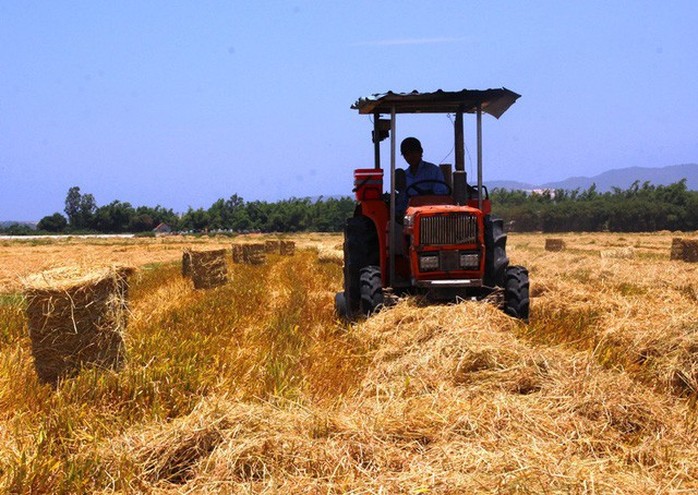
360,250
516,302
371,290
496,261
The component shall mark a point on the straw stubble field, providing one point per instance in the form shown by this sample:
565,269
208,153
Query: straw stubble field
255,387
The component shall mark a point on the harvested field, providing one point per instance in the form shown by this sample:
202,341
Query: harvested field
255,387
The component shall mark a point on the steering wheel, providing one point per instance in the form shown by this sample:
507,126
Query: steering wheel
422,192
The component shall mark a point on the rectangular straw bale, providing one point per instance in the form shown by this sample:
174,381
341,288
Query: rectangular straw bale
238,255
288,248
684,249
186,263
76,318
554,245
208,268
272,247
690,250
254,254
677,249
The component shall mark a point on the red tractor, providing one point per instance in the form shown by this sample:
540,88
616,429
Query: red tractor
443,246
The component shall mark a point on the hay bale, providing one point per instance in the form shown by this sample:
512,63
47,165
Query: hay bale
238,255
690,250
684,249
186,263
254,254
676,249
208,268
554,245
619,253
272,247
76,318
287,248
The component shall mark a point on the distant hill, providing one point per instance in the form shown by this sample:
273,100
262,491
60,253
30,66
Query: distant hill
510,184
10,223
622,178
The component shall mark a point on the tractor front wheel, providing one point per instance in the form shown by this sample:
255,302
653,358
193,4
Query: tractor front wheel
516,283
360,250
340,306
371,290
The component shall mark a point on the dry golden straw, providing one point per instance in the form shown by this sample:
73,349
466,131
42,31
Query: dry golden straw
208,268
619,253
76,317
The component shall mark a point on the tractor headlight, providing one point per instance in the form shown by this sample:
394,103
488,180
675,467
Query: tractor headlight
428,263
469,261
409,221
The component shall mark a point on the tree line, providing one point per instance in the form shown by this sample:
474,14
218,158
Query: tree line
640,208
83,215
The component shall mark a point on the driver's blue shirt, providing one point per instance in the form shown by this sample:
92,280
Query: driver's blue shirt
425,171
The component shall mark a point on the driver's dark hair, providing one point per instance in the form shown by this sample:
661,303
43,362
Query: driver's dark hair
410,144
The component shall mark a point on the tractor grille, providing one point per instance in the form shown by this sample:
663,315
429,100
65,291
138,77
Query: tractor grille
451,229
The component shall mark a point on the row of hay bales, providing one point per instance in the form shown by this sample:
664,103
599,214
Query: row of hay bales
77,316
208,269
681,249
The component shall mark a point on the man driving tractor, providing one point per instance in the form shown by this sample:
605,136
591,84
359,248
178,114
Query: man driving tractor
428,175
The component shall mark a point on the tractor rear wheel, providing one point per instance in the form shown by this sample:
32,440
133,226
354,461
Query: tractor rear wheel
371,290
516,284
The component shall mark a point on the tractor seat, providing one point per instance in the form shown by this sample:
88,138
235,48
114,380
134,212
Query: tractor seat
431,199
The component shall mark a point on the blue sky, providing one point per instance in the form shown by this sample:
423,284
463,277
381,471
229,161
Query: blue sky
181,103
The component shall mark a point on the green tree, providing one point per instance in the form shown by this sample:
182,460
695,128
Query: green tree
72,205
80,208
196,219
116,217
53,223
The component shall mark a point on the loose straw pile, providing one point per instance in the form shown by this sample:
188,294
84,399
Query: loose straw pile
452,402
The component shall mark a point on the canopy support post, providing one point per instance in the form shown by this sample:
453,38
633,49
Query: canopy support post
392,223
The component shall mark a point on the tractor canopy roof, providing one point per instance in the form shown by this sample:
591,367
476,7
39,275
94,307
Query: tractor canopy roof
492,101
